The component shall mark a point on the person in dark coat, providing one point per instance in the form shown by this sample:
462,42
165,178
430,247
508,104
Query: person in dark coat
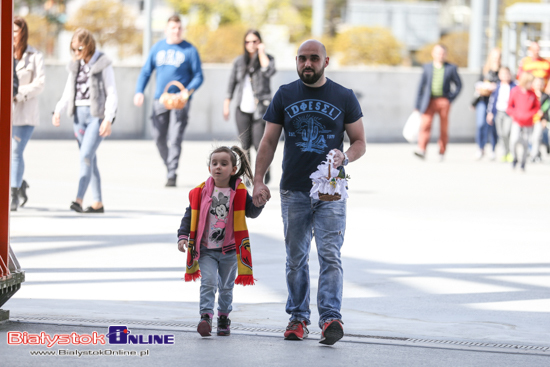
435,95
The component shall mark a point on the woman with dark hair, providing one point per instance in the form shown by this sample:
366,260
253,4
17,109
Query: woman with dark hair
89,97
249,83
29,69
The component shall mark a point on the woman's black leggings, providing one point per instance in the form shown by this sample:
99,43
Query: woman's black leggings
250,131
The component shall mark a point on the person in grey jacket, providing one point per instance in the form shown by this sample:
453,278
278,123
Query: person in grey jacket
249,86
435,95
89,97
29,71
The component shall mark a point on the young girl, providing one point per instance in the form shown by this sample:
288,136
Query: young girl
522,107
214,230
90,97
540,119
497,116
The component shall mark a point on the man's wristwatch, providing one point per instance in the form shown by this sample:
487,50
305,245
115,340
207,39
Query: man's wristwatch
346,160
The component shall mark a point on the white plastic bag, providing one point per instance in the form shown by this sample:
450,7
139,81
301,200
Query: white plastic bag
412,127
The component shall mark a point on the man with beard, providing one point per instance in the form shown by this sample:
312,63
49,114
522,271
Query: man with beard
314,112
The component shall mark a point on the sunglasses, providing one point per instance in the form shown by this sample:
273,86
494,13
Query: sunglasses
255,41
78,49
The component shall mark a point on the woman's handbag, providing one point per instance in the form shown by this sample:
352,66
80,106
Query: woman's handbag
175,101
412,127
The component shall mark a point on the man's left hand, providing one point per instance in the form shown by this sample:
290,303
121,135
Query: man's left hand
338,158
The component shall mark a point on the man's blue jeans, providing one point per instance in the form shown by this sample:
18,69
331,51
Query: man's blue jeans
303,218
20,136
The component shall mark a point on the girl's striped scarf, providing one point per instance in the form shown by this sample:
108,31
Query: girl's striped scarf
242,241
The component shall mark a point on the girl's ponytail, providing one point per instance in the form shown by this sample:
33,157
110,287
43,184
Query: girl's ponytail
244,166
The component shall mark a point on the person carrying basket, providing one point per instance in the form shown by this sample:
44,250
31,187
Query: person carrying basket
314,112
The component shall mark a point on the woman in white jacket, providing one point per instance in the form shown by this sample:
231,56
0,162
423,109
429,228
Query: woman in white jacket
90,98
30,72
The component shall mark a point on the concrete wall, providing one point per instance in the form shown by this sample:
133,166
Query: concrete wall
386,95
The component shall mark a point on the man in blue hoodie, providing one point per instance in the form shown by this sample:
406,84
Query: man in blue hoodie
174,59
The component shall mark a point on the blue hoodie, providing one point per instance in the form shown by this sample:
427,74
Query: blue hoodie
179,62
492,105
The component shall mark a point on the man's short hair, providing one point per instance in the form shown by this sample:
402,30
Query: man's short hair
441,45
174,18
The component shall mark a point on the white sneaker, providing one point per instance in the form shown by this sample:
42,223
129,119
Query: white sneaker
420,154
479,155
492,156
441,157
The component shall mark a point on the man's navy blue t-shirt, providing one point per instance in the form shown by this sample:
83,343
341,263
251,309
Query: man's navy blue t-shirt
313,120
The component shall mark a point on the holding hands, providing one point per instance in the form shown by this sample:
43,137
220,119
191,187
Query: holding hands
261,194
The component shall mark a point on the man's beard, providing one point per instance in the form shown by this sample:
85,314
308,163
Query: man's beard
310,79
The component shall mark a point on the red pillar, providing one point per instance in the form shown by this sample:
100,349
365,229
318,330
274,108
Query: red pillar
6,80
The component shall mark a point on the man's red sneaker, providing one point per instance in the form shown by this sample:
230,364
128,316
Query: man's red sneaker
296,330
332,332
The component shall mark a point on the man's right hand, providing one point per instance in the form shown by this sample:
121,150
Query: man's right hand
138,99
261,194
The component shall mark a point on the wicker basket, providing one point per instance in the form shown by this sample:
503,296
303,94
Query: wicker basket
175,101
328,197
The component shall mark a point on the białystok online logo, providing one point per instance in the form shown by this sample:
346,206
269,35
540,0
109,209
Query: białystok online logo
118,334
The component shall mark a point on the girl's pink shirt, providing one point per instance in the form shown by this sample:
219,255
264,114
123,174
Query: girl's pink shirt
206,201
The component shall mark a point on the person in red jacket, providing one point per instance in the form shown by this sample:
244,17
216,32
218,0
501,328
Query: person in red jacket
523,105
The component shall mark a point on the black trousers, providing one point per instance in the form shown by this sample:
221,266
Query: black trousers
250,131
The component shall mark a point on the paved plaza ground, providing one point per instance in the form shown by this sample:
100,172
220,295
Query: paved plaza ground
442,260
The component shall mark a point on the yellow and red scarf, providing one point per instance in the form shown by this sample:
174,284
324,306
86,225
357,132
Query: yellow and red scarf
242,241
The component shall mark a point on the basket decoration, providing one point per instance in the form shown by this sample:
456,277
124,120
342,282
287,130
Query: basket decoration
329,184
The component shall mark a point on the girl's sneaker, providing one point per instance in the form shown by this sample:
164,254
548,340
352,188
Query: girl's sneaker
224,324
205,325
